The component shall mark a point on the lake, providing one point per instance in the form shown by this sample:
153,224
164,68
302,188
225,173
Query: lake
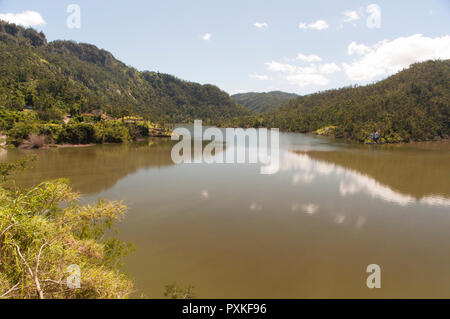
309,231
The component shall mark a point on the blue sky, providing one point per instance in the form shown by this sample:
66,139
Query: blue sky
295,46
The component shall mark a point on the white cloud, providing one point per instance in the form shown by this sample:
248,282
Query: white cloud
26,18
374,19
261,77
280,67
206,36
329,68
261,25
308,58
306,79
300,76
318,25
389,57
358,48
351,15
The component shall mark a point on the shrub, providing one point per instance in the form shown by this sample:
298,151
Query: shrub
20,132
113,133
79,133
8,118
52,131
40,238
137,130
53,115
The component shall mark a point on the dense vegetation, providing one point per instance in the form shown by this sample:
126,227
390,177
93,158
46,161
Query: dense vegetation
47,240
22,127
67,77
263,102
413,105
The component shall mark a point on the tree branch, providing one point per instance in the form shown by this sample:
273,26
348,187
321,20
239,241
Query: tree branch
36,268
10,290
33,275
10,226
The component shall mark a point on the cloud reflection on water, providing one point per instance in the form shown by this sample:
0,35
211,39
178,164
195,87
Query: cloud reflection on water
305,170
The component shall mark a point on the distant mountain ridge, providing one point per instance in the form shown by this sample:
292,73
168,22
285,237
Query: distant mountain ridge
263,102
70,77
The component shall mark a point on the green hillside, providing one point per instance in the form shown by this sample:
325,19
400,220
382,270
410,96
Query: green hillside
67,77
263,102
413,105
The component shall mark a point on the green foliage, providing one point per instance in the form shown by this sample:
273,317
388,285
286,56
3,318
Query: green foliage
413,105
263,102
53,132
80,130
255,121
52,115
6,169
77,133
20,132
173,291
8,118
329,130
44,230
68,77
113,133
137,130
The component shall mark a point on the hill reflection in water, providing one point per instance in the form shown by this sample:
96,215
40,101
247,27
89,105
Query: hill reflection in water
95,168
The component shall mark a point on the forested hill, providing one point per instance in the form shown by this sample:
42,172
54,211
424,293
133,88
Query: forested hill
262,102
413,105
68,77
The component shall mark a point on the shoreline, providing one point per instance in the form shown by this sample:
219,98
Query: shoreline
346,140
161,136
69,145
53,146
440,140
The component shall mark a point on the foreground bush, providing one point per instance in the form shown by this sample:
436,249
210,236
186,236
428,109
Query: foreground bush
44,232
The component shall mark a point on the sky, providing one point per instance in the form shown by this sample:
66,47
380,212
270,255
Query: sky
251,45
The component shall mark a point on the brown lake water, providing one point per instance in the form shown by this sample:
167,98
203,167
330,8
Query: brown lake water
308,231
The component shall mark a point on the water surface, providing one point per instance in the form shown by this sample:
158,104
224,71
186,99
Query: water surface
308,231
